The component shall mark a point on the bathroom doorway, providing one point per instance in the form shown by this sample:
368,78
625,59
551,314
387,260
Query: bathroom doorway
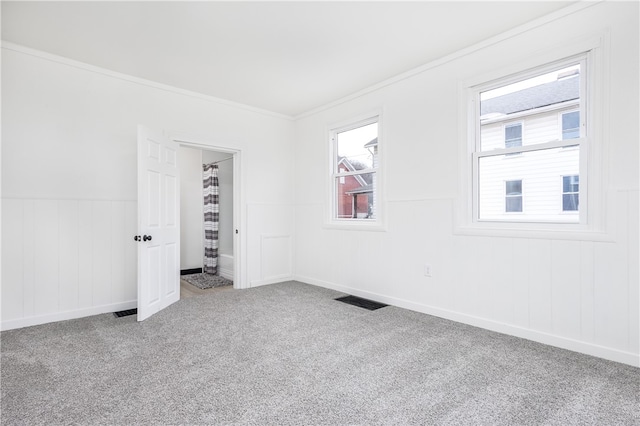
196,226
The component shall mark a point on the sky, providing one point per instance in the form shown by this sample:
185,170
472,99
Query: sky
520,85
351,143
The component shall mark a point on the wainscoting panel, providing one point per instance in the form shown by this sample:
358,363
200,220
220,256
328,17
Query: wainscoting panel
85,247
12,259
276,257
634,271
46,259
118,249
69,250
270,256
66,258
28,261
226,265
101,256
573,293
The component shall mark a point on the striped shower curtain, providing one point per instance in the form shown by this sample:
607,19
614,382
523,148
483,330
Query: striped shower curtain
211,217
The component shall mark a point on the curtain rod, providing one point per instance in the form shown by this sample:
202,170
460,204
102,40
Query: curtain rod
219,161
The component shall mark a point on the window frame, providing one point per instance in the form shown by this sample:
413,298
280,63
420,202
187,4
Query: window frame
581,143
331,220
596,206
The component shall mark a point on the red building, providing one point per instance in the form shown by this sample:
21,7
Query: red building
355,194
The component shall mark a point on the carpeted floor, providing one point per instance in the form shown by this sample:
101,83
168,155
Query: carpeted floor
204,281
288,354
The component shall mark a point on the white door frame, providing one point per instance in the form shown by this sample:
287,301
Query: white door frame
239,217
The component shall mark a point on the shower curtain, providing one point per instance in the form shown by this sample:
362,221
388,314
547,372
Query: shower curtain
211,217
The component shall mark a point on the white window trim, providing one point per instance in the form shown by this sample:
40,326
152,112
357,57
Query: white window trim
597,225
331,222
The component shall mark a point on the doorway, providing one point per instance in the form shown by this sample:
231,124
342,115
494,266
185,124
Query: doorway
192,157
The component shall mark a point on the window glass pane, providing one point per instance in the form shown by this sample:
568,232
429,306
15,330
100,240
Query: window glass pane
571,125
514,187
534,98
355,196
570,202
513,204
356,149
535,172
513,135
570,183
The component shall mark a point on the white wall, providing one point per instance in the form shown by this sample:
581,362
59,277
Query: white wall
69,182
191,217
578,294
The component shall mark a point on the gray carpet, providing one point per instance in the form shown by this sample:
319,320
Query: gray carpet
288,354
205,281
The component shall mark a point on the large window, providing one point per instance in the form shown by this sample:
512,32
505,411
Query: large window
548,102
355,164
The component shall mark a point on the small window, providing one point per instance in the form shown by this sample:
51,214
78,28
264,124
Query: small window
570,193
571,125
355,172
513,135
513,196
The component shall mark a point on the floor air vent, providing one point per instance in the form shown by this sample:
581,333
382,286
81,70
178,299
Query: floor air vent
126,313
360,302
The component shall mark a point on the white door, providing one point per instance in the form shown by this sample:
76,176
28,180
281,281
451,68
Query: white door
158,223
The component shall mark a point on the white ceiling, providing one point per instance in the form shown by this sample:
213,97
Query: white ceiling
286,57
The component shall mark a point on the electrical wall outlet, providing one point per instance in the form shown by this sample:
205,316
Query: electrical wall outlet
427,270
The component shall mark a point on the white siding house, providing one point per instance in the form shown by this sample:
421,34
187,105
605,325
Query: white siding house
535,185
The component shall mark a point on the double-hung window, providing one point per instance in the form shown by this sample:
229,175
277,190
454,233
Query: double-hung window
550,103
354,176
513,196
570,193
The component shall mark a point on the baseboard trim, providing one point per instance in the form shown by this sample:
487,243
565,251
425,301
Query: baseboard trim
67,315
191,271
226,273
500,327
272,280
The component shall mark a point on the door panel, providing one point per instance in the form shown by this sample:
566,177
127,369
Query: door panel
158,223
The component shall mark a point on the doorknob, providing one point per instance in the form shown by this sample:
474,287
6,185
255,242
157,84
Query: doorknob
146,238
137,238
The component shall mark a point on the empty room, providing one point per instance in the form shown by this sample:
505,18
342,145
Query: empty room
320,213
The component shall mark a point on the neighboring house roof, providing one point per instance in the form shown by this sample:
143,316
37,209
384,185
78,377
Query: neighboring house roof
351,168
371,143
362,190
558,91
